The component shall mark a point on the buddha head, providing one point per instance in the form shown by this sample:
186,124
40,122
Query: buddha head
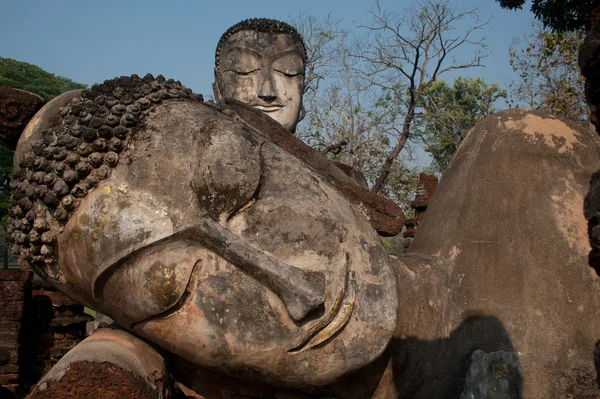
197,233
262,62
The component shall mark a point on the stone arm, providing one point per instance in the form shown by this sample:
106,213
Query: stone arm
111,363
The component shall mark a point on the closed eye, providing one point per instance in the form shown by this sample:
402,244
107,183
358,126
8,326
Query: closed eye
289,74
242,72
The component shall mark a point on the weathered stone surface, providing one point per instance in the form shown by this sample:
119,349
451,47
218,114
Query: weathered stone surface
589,58
241,258
384,215
261,283
504,241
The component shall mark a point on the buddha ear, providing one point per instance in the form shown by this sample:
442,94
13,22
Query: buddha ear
215,86
301,113
17,107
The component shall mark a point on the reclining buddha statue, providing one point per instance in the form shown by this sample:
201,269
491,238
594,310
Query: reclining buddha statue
238,262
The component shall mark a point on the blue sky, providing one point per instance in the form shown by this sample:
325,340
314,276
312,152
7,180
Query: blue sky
90,41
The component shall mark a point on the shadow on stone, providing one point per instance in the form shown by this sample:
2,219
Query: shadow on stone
477,360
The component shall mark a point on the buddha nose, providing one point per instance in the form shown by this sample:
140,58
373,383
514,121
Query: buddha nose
267,87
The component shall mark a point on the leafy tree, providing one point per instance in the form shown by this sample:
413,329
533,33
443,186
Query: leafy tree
556,15
29,77
550,79
450,112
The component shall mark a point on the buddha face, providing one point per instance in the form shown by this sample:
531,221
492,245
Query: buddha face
224,249
266,71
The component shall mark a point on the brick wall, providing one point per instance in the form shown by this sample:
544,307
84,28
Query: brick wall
15,291
57,324
425,190
38,325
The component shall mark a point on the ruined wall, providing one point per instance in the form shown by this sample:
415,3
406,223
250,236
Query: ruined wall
425,190
57,324
38,325
15,290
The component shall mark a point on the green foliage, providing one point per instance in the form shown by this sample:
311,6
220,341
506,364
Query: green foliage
449,113
393,245
550,80
556,15
28,77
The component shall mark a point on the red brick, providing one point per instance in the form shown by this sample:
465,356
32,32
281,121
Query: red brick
48,336
9,355
409,233
8,379
68,321
12,305
65,343
10,294
9,336
11,314
13,285
76,333
15,275
11,387
9,368
9,325
57,353
56,297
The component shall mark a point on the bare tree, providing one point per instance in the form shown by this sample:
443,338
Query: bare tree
348,118
321,37
549,78
406,52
